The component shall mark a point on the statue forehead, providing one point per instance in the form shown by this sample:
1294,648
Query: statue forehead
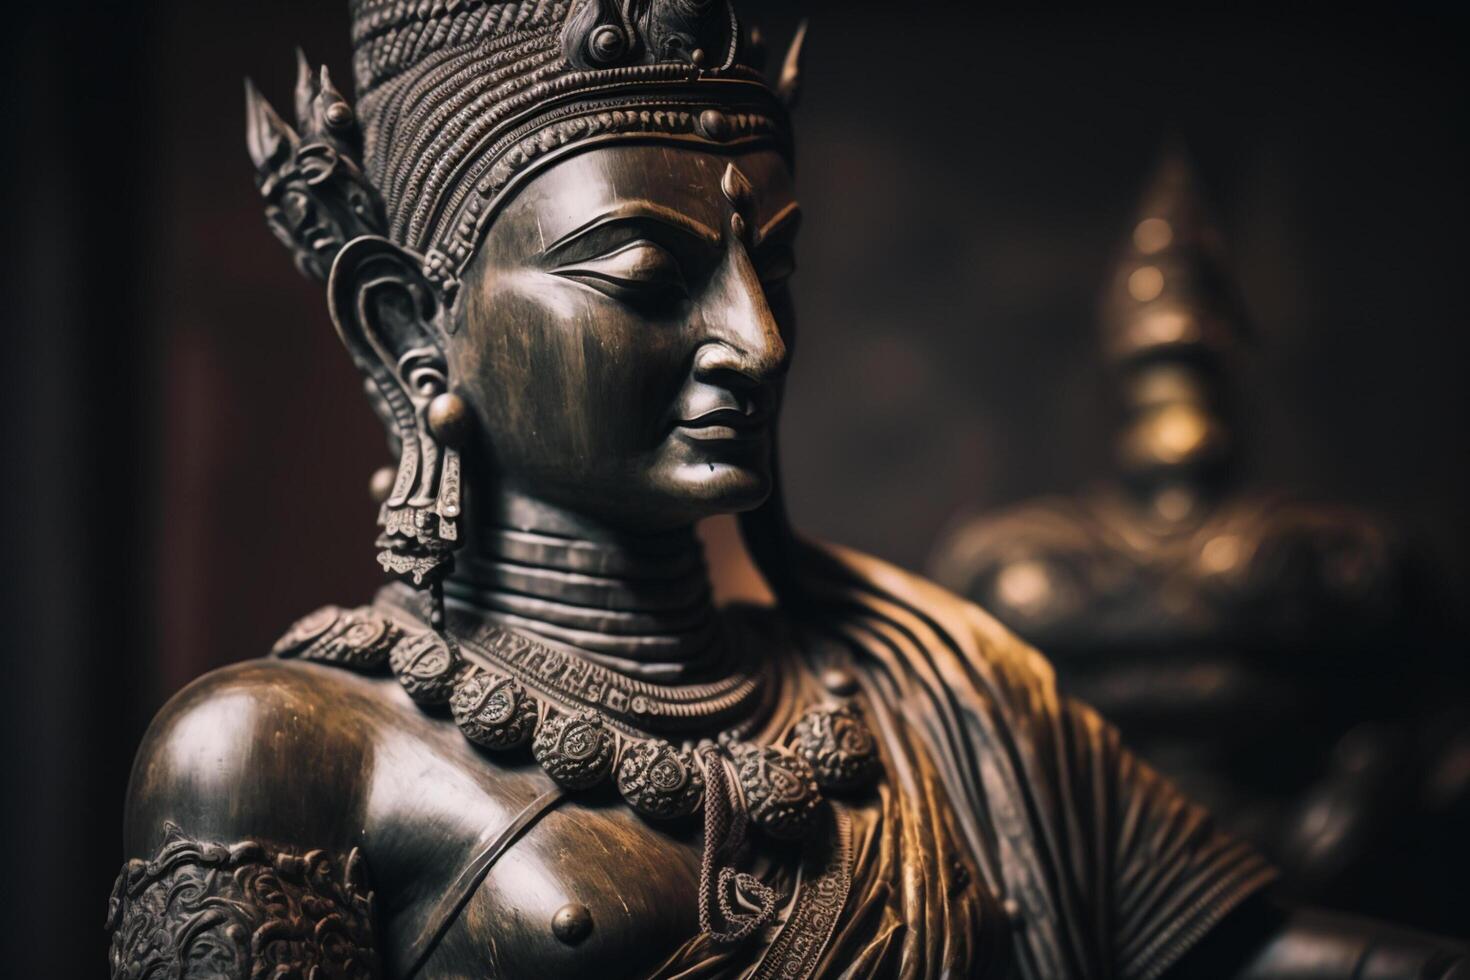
567,194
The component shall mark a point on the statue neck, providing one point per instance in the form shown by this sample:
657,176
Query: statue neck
638,603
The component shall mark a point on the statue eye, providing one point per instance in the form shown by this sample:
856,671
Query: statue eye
776,264
640,270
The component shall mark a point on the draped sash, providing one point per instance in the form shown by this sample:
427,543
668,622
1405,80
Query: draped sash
1107,870
1013,835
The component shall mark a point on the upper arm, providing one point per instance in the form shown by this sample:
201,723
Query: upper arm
1147,871
263,749
240,835
1167,875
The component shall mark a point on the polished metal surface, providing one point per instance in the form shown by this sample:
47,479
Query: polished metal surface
571,306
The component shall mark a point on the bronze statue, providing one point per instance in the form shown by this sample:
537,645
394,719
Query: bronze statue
1234,635
557,239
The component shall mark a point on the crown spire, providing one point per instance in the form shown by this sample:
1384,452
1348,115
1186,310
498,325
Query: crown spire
267,137
305,90
788,85
317,198
1170,318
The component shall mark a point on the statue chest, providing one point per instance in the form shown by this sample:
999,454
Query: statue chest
586,892
588,889
577,888
489,871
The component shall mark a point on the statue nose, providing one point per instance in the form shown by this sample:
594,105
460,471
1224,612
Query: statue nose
743,339
742,366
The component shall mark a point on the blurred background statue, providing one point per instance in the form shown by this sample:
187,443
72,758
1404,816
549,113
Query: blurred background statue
1262,649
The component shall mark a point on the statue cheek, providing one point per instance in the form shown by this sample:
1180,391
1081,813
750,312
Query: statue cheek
560,374
626,383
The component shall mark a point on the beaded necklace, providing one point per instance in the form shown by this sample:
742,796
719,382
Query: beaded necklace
586,723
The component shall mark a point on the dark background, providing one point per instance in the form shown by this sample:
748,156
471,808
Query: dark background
188,455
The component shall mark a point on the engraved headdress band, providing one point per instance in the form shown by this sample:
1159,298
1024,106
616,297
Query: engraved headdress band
460,101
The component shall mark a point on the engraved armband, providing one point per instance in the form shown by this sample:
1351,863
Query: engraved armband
200,909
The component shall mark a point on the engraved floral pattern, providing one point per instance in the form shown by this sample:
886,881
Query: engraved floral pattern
426,664
493,710
780,789
576,750
838,745
206,910
660,781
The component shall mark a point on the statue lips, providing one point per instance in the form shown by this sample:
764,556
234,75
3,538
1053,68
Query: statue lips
714,413
725,423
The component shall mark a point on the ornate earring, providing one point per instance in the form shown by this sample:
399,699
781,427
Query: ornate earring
450,423
420,517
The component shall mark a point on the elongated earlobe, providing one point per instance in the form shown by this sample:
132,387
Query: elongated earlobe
390,319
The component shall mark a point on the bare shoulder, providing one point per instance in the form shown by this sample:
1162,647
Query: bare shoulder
242,857
269,749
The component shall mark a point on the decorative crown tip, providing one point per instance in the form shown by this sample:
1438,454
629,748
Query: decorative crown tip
1173,192
265,131
1172,288
306,89
333,106
788,86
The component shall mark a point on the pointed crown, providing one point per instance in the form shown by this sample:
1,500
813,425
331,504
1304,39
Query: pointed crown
460,101
317,198
1170,318
1171,290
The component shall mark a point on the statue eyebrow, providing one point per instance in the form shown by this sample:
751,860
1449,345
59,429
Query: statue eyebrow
785,218
635,210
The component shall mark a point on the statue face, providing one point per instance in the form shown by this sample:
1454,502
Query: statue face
624,331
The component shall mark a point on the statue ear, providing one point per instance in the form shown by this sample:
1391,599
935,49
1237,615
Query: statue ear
390,318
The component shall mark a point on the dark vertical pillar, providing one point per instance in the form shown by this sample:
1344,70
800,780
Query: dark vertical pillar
75,403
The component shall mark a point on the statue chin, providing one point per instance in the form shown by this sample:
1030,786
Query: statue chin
717,472
720,488
676,491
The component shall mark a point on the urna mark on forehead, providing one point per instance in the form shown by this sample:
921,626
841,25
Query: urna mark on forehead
686,188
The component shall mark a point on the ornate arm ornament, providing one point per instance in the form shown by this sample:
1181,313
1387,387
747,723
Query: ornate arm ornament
201,909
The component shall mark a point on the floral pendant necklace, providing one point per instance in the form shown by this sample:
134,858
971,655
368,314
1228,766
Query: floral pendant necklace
587,724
